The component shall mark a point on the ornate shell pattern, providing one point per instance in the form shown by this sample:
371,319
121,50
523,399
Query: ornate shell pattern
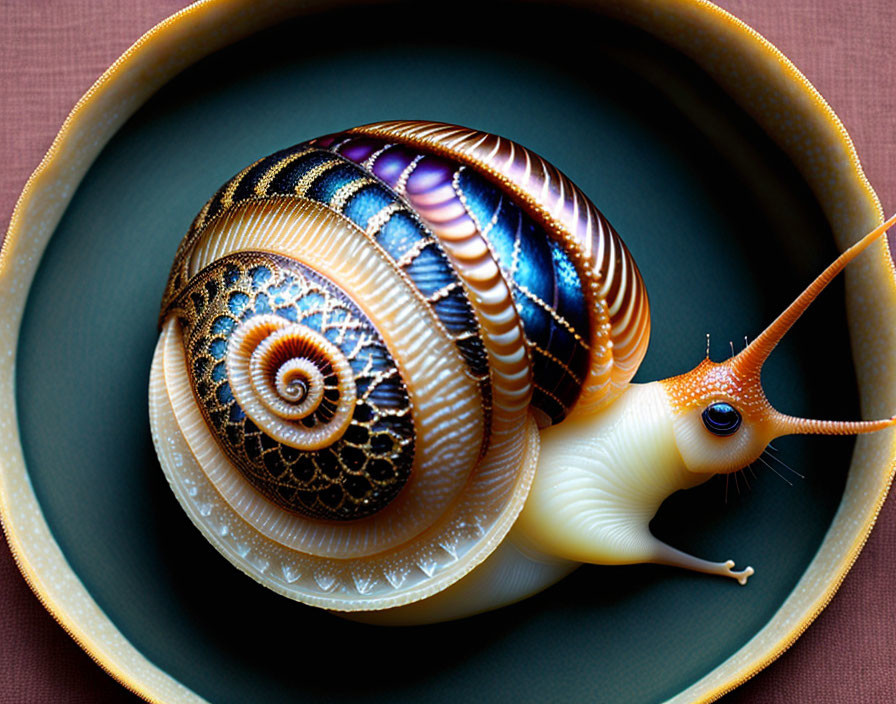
360,337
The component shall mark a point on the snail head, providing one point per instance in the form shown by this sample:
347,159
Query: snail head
723,421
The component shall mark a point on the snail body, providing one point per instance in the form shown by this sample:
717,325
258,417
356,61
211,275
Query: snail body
394,375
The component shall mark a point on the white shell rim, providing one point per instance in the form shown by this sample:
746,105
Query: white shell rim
344,585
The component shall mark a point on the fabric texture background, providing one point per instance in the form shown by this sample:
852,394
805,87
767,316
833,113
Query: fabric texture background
52,50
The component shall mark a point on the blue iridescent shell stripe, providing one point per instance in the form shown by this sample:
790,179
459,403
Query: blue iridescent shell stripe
547,291
546,287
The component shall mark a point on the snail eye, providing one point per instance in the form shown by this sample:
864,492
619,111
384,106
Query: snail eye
721,419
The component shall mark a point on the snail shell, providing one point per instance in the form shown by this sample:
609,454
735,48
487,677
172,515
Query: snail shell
360,336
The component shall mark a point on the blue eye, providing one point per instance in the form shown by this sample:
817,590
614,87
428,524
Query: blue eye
721,419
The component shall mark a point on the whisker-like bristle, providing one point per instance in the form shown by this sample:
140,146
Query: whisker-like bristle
784,464
783,478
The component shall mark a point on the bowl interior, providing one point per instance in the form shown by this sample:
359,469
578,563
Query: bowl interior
725,232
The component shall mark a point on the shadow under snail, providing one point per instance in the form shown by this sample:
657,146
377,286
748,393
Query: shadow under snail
394,379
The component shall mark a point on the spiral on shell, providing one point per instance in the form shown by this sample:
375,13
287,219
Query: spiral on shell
360,336
284,372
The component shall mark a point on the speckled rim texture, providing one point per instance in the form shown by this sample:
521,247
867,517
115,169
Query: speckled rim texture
755,73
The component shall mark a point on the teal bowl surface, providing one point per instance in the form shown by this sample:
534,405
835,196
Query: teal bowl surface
725,232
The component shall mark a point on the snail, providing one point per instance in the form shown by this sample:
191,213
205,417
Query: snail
394,379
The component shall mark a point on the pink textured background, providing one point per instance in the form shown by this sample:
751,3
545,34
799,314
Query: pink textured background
51,52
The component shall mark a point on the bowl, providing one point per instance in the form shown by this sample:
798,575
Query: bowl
59,555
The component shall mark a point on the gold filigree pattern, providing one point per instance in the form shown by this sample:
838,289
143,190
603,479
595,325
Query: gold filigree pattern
301,389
